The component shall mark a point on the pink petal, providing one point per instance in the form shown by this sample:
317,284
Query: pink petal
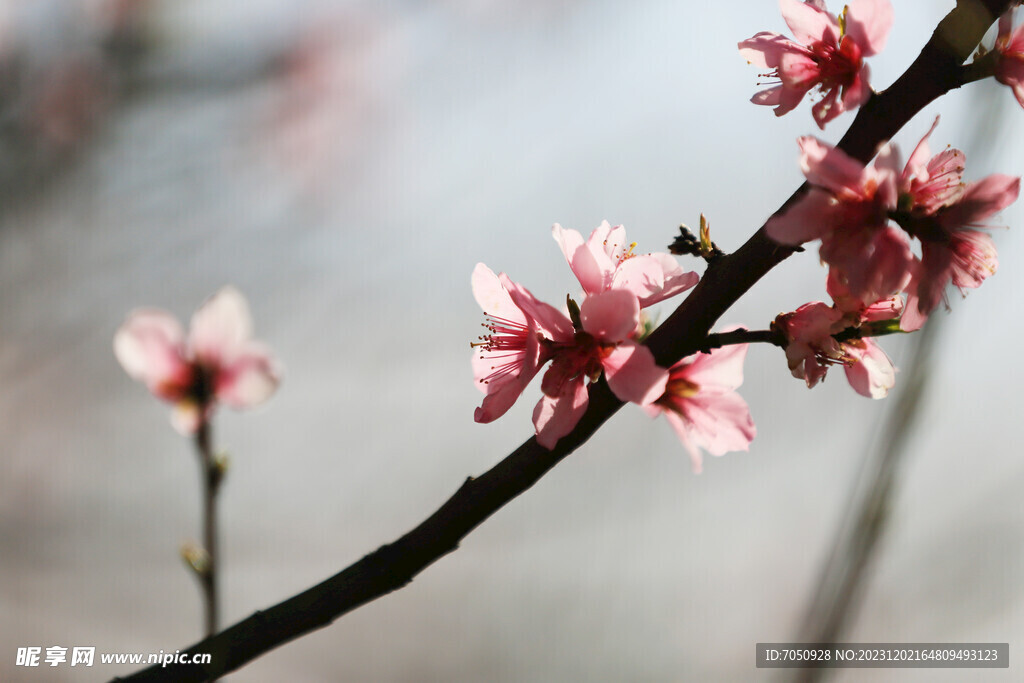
974,258
798,71
788,99
875,262
884,174
500,398
592,270
633,375
769,97
720,423
612,241
717,372
552,323
856,93
827,108
873,374
221,323
492,296
248,378
682,430
808,219
831,168
917,164
868,22
764,49
653,278
503,391
555,417
912,319
610,316
149,346
931,277
981,199
808,23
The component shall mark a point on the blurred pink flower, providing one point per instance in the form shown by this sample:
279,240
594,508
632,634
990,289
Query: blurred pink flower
848,208
606,261
829,55
1010,65
218,362
701,404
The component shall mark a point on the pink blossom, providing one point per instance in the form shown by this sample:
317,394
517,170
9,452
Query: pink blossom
1010,48
952,249
874,307
939,209
828,54
606,261
929,183
511,353
525,333
701,404
602,343
811,347
218,362
847,208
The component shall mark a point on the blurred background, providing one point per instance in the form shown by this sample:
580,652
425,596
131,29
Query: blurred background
346,164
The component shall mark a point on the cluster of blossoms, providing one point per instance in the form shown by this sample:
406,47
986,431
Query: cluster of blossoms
866,216
218,362
600,336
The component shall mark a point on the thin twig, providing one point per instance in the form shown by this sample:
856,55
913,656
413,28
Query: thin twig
933,73
211,475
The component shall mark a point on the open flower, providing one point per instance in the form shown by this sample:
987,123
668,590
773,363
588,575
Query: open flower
847,208
599,342
1010,47
811,347
217,362
928,183
828,55
935,206
701,404
606,261
525,333
510,354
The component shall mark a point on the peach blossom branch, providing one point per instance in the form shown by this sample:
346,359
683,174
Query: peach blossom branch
935,71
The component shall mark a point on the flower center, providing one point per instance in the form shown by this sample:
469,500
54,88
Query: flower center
619,254
838,65
683,388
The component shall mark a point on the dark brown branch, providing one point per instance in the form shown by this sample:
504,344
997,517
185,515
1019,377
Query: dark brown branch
933,73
